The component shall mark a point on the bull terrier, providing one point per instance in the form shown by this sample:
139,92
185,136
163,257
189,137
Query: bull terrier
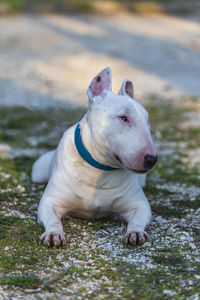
99,165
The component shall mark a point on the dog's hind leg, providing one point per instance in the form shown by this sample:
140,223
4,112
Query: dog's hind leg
42,167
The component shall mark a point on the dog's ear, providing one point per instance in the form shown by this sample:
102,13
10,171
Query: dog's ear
127,88
102,82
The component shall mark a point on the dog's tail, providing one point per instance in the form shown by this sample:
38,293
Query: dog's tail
41,169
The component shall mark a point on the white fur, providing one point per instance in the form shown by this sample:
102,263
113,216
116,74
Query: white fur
77,188
42,167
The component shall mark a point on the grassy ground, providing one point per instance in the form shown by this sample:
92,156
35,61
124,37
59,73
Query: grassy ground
141,6
95,264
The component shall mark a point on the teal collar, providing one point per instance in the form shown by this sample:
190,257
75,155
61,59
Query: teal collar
85,154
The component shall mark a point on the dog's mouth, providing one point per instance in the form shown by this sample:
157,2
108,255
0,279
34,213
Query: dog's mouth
118,159
133,170
139,171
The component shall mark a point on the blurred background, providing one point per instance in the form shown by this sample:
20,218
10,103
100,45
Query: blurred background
50,50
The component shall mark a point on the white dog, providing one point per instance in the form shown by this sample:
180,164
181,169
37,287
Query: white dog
95,169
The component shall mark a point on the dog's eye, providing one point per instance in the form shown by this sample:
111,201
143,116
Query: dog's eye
124,118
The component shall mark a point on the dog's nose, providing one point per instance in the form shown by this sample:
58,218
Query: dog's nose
150,161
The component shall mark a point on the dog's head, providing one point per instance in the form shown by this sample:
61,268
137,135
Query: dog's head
120,124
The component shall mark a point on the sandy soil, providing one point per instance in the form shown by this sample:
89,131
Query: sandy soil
48,60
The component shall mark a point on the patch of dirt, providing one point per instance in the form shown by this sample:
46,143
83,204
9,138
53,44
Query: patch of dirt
50,60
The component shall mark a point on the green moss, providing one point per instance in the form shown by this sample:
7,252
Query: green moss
174,169
162,112
167,212
190,135
44,5
29,281
12,262
7,221
187,203
172,260
167,117
103,223
26,128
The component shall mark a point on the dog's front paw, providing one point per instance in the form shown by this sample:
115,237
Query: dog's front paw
135,237
53,239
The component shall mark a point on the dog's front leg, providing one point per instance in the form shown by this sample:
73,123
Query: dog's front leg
54,234
50,211
137,217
